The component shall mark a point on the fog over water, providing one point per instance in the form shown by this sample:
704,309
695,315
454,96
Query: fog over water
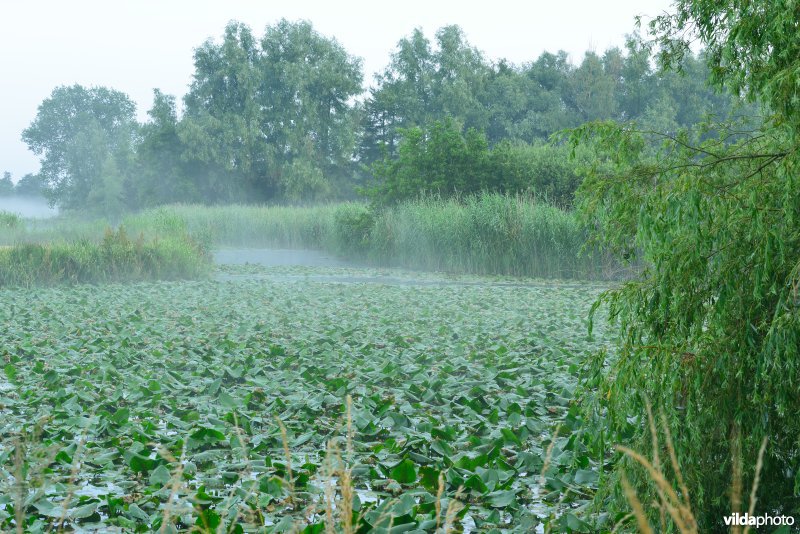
31,207
278,257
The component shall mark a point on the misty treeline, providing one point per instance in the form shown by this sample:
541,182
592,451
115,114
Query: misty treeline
30,185
285,117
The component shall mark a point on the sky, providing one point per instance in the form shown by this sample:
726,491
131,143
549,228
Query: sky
136,46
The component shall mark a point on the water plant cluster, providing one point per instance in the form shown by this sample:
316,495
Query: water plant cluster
270,399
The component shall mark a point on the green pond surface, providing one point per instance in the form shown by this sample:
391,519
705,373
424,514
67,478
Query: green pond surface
137,402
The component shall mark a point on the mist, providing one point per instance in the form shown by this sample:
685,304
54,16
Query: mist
29,207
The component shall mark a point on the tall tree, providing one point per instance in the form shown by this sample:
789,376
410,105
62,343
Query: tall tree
220,129
711,328
256,106
422,84
79,132
308,81
592,89
163,173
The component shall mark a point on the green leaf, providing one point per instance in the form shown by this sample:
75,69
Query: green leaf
405,472
11,372
160,476
84,511
501,499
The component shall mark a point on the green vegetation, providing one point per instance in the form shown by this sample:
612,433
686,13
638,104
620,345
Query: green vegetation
711,329
440,160
142,402
9,221
484,234
284,117
300,398
114,259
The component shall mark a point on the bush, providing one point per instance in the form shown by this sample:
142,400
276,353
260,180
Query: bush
353,228
440,160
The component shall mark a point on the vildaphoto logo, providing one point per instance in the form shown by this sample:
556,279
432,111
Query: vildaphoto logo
743,520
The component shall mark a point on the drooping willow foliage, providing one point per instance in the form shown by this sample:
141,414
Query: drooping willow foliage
711,328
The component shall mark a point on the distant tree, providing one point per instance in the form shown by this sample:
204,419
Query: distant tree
30,185
446,160
220,130
163,173
79,134
6,185
423,84
256,107
592,89
308,80
437,160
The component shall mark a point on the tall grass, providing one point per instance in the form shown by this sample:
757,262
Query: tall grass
481,234
240,225
115,258
486,234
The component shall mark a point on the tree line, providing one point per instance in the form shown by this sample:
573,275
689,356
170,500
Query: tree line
285,117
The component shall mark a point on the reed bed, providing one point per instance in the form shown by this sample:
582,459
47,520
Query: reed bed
116,258
482,234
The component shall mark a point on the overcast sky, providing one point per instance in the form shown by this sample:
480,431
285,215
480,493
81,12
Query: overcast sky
135,46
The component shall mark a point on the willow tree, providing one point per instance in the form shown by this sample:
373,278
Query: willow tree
711,327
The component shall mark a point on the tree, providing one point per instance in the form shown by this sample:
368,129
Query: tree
438,160
308,82
220,131
6,185
30,185
592,89
257,106
711,328
163,173
423,84
78,132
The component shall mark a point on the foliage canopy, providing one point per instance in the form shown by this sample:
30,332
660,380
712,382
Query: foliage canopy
711,329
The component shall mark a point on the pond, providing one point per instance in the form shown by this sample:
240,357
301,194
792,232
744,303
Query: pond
273,257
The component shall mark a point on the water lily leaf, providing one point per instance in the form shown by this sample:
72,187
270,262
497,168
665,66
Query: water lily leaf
405,472
160,476
82,512
501,499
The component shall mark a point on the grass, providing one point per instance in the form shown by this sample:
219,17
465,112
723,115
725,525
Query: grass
116,258
485,234
674,504
216,404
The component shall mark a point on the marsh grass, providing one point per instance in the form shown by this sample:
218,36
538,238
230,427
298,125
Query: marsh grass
486,234
115,258
9,221
240,225
480,234
674,504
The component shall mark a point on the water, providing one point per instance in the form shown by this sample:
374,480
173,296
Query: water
299,265
270,257
29,207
